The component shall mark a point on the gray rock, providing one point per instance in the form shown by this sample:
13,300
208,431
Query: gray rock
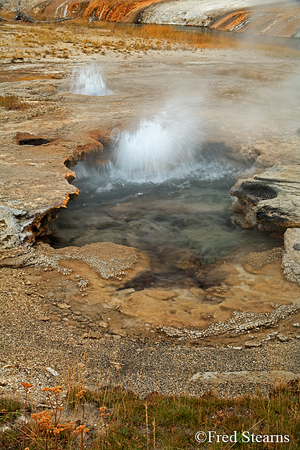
283,338
291,257
251,344
271,200
239,323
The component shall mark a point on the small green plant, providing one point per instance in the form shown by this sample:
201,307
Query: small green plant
10,410
156,422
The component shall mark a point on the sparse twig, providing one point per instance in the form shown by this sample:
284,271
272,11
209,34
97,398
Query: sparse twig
26,386
147,427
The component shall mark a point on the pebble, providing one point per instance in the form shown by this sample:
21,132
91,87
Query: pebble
250,344
92,336
45,318
52,371
283,338
63,306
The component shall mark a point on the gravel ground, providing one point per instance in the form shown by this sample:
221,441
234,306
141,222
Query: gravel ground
41,345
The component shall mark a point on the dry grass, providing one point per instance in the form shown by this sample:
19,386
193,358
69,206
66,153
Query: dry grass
156,422
185,39
158,37
72,39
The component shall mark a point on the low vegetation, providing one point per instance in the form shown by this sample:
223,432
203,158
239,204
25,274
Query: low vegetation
71,39
126,421
77,38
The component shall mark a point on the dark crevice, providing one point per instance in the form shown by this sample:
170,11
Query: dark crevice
257,191
34,141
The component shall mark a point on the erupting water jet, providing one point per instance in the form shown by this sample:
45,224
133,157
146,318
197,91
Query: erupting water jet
161,147
88,80
164,191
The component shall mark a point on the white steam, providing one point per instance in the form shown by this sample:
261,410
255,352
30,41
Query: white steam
88,80
161,147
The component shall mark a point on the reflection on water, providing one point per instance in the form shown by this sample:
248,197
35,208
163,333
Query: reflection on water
176,221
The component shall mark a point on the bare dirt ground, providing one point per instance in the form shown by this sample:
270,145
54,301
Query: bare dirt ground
67,311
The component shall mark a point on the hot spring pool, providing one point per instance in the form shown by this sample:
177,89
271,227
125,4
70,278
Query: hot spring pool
164,191
181,221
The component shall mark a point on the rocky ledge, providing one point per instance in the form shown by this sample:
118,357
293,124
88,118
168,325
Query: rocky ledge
32,196
291,257
271,202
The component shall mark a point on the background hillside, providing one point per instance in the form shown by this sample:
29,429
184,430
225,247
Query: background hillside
248,16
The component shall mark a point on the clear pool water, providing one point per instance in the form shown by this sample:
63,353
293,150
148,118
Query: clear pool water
181,221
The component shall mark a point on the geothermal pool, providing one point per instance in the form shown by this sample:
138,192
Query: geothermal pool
182,222
160,187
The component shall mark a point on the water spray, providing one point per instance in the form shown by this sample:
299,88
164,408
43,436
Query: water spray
88,80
